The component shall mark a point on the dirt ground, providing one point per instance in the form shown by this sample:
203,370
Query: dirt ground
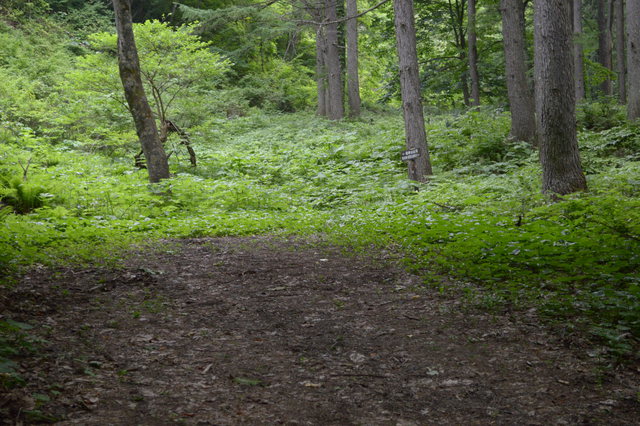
272,331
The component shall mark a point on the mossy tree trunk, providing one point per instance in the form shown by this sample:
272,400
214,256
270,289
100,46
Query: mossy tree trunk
129,66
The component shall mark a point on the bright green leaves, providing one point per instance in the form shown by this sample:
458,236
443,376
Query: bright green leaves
177,69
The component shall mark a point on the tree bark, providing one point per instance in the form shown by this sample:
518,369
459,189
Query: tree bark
633,59
353,80
473,54
620,52
415,133
129,66
604,42
521,103
555,99
457,9
578,52
334,72
321,71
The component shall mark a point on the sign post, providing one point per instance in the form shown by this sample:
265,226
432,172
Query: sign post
410,154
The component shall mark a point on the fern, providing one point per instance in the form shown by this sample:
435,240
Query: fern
21,196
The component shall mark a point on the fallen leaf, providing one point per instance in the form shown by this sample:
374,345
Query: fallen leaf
248,381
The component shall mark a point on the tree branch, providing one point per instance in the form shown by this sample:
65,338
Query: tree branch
347,18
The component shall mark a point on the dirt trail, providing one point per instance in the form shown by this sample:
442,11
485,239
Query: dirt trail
266,331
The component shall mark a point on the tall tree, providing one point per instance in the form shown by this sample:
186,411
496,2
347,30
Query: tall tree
335,106
604,42
321,71
353,80
621,67
555,99
415,133
578,52
129,66
633,59
457,9
473,53
521,104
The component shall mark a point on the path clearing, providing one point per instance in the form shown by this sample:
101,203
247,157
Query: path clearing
268,331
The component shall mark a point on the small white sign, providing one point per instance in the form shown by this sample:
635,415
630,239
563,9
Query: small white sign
410,154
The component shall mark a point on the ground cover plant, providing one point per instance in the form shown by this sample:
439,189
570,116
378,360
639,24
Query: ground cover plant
480,219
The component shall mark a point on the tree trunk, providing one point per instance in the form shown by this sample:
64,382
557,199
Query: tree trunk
415,133
334,71
473,54
633,59
353,81
457,10
521,104
604,42
555,99
321,71
129,66
578,53
620,57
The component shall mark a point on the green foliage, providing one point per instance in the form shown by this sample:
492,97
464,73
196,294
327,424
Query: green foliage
178,69
20,195
83,18
15,340
600,115
23,10
289,88
476,142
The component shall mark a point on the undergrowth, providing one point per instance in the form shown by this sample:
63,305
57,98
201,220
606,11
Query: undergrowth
480,219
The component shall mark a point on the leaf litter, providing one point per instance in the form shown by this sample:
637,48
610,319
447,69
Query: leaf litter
266,330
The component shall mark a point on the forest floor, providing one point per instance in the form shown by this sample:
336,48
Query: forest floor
267,330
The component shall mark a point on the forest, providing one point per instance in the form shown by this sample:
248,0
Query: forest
320,211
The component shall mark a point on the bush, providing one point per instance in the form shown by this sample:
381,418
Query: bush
600,115
288,87
476,142
21,196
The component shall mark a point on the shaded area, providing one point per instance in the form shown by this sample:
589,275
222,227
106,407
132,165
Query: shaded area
270,331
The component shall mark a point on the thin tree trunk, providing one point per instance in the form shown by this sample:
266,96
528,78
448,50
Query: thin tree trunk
620,54
521,104
464,85
321,71
633,59
604,42
334,71
578,53
129,66
415,133
473,53
353,80
555,99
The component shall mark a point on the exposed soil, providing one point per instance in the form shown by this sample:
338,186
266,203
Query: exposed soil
271,331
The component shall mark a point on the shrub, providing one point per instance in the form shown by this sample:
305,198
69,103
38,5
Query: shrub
600,115
21,196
